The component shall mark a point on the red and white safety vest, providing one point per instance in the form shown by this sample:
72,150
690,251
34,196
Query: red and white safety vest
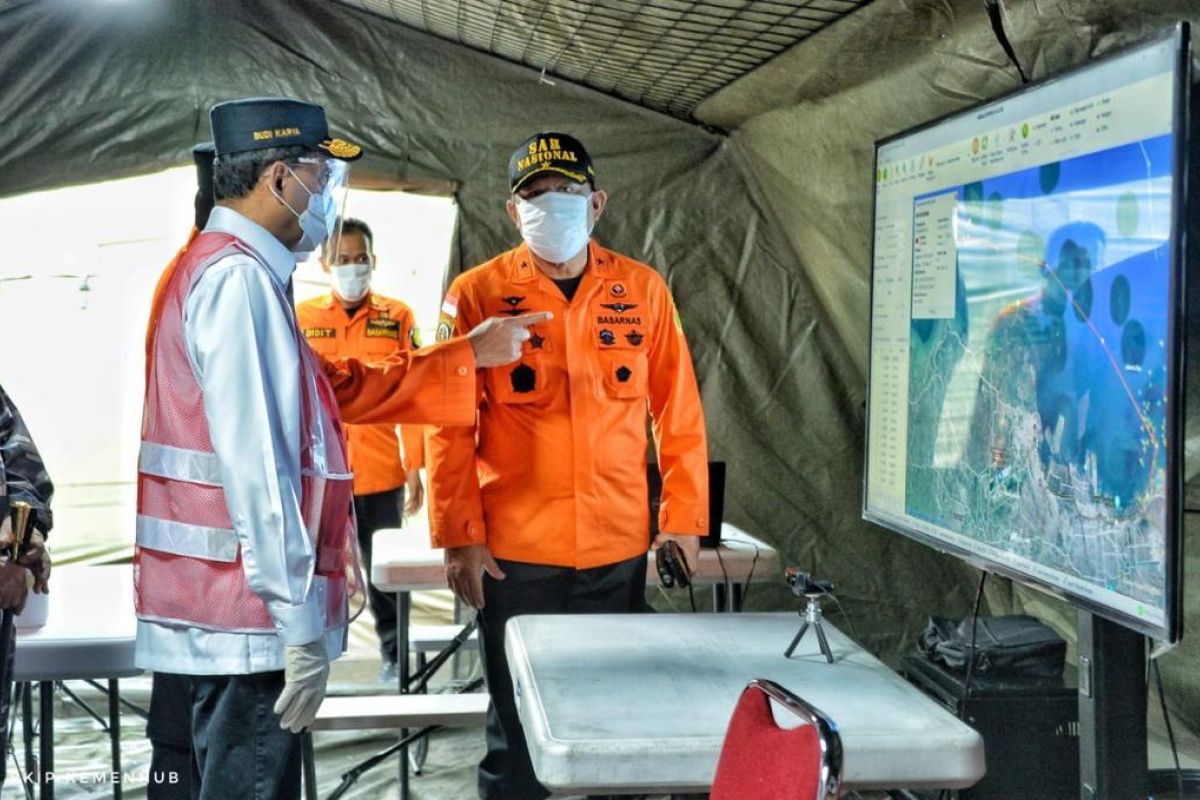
188,561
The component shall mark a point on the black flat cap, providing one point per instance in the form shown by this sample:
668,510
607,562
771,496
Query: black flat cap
257,123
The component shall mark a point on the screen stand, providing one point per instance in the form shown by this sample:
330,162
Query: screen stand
1112,711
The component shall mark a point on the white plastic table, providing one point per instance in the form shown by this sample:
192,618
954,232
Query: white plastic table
89,634
90,629
639,704
404,562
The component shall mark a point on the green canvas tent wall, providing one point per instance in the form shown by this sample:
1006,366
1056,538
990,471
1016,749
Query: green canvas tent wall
735,139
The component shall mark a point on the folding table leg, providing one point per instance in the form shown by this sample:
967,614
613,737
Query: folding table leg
403,612
735,597
718,593
27,729
456,664
114,733
14,711
309,758
46,739
416,756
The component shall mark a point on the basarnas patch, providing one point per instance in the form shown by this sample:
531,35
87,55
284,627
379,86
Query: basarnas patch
383,329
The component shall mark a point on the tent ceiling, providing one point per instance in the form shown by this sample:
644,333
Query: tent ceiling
663,54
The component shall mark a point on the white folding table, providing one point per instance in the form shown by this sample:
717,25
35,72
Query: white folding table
404,562
89,634
639,704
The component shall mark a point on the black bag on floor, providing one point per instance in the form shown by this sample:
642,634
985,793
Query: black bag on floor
1004,646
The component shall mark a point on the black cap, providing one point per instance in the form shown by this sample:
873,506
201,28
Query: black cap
203,154
550,152
257,123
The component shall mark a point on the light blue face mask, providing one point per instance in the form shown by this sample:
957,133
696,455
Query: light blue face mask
555,225
320,215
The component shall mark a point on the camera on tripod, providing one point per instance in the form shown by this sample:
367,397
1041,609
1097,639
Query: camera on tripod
804,585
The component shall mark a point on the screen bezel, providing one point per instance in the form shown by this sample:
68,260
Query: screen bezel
1172,628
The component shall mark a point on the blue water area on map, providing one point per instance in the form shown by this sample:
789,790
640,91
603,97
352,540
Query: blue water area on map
1062,277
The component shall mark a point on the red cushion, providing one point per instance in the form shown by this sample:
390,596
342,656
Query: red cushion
761,761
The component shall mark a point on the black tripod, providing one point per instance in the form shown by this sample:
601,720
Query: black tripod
812,617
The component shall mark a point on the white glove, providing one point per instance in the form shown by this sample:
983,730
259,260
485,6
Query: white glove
305,672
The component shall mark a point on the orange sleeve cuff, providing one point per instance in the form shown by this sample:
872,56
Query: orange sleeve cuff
445,533
682,519
413,437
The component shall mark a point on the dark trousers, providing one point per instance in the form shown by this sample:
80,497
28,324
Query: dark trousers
239,751
8,651
506,772
375,511
169,729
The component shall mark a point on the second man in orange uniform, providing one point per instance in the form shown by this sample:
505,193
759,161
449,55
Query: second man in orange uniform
352,321
548,492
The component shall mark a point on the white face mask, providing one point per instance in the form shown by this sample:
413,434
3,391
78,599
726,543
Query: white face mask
556,225
351,282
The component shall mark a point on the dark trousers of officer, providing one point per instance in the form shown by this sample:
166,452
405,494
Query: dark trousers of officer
8,652
506,772
239,752
169,729
375,511
218,737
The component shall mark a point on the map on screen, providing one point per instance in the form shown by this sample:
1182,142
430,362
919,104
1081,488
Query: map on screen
1021,386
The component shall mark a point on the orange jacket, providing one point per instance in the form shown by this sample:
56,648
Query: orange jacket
431,386
555,470
159,297
379,327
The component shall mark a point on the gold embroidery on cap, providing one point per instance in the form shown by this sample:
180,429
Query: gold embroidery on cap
340,148
276,133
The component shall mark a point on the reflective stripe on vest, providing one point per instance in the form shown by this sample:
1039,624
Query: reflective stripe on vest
178,464
176,560
184,539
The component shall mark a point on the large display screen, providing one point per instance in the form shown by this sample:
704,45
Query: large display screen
1024,396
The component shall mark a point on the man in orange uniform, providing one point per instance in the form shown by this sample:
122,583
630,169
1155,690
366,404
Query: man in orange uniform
354,322
547,494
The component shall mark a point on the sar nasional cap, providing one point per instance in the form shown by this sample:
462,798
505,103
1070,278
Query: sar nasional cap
560,153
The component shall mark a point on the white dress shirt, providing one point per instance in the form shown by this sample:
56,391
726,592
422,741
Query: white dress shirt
242,344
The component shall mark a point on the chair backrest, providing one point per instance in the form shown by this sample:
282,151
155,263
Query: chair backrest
762,761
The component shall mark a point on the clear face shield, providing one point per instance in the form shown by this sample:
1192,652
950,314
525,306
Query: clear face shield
327,181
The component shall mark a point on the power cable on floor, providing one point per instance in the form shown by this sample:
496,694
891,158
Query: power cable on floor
1162,699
